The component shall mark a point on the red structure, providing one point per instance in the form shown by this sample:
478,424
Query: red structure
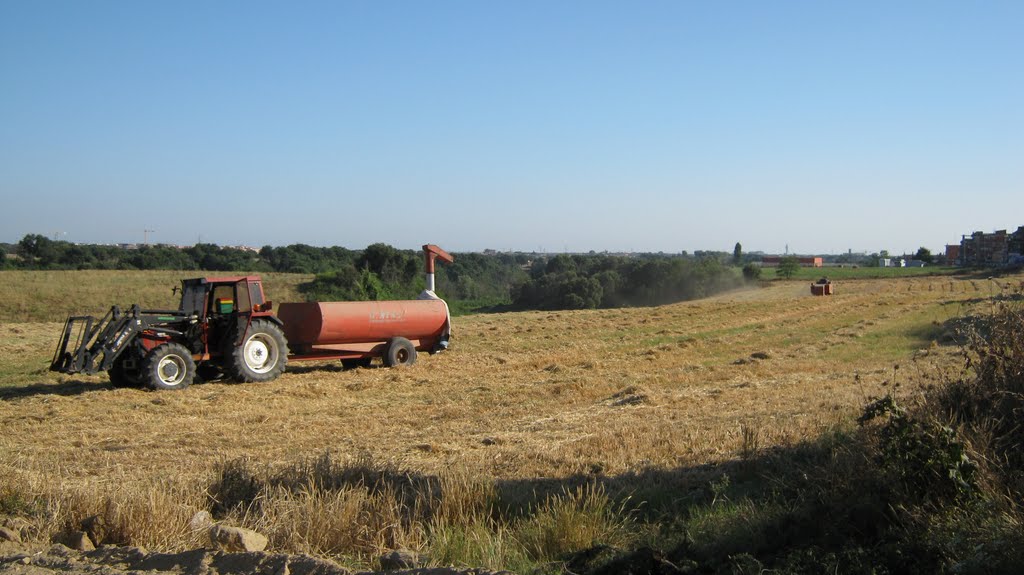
351,329
431,253
774,261
822,287
981,249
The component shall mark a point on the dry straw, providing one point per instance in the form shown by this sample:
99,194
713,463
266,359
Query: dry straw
519,443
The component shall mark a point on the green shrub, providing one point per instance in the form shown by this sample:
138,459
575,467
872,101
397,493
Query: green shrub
989,399
926,458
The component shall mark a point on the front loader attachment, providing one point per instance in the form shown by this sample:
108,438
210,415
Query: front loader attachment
88,345
76,334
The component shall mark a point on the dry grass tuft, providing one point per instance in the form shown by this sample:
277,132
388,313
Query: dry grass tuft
156,516
572,521
355,520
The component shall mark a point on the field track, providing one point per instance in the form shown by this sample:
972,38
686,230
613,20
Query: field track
519,396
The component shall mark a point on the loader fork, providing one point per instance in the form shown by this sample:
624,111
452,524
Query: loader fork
87,345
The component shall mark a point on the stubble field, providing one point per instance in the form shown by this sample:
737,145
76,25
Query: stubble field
627,407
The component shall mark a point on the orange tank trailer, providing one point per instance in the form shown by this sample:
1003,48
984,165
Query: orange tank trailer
359,331
315,328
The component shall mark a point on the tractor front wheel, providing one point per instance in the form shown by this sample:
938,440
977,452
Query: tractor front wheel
262,356
168,366
400,352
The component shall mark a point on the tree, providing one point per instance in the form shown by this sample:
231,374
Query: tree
788,267
925,255
751,272
561,264
737,254
40,252
373,287
396,269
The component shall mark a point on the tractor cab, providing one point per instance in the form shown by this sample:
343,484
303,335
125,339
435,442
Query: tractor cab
206,297
221,306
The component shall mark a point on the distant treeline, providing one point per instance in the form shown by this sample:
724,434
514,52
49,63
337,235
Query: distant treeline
600,281
510,281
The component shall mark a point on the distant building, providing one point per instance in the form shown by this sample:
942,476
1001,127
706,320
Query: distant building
981,249
1015,245
774,261
952,253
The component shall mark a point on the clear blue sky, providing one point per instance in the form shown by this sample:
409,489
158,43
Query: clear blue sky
645,126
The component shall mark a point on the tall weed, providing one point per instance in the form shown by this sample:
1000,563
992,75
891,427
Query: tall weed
572,521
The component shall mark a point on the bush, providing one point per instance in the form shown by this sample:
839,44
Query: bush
788,267
927,459
989,399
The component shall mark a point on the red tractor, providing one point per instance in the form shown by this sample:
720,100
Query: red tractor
822,287
224,326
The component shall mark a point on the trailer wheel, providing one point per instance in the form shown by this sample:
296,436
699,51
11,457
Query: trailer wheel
262,356
169,366
400,353
121,376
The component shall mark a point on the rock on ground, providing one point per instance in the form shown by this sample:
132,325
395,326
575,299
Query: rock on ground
201,520
237,539
77,540
399,559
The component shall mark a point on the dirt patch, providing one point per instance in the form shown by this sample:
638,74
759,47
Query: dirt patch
58,559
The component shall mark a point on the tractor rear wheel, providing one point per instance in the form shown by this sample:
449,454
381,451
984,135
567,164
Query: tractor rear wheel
400,352
262,356
168,366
